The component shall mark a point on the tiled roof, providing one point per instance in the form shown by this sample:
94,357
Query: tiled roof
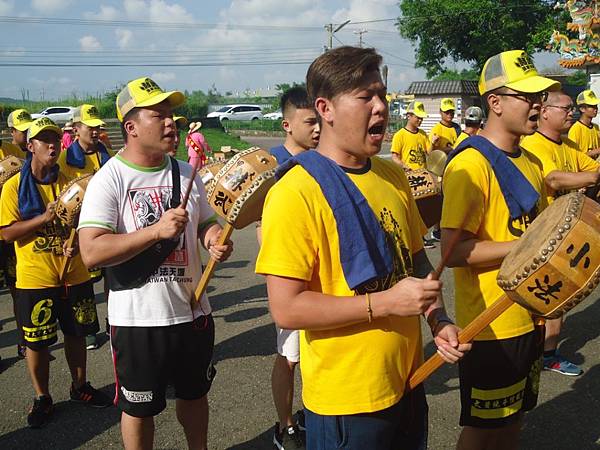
459,87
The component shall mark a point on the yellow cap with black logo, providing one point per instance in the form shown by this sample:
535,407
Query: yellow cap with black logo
19,119
447,104
88,115
144,92
587,97
42,124
515,70
416,108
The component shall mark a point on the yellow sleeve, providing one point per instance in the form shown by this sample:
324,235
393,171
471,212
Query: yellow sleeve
465,181
584,162
397,142
9,202
575,135
288,248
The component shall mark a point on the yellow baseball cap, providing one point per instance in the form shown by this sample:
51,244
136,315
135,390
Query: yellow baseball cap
41,124
180,121
144,92
447,104
19,119
416,108
587,97
87,115
515,70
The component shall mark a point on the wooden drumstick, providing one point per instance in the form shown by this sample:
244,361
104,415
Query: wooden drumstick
67,259
189,188
212,263
465,336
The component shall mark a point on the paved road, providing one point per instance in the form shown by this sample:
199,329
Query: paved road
241,408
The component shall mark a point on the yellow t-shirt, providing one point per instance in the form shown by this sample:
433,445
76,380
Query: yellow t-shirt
447,136
563,155
39,258
586,138
471,191
411,147
362,367
8,149
92,164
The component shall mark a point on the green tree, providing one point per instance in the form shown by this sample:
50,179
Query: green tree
450,75
579,78
474,30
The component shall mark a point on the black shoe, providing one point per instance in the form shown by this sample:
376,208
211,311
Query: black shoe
41,411
288,439
300,422
90,396
21,351
90,342
436,235
428,243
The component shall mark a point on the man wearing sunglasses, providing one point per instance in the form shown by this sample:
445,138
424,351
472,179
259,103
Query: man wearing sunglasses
565,169
584,132
499,378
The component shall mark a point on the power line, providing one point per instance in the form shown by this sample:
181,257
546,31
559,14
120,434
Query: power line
175,64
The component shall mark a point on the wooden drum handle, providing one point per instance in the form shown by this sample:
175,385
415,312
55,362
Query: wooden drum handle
212,263
66,260
466,335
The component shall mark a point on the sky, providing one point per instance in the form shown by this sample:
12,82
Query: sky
235,45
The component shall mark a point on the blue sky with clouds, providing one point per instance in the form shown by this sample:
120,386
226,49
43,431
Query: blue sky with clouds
225,39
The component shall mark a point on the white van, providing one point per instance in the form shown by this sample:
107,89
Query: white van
237,112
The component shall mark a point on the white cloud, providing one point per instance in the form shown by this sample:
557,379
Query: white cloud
48,6
123,37
163,77
6,6
90,43
106,13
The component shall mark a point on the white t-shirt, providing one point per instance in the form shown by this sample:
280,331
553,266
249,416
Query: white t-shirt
123,197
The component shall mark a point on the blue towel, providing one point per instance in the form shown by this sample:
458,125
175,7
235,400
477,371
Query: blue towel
280,153
30,201
76,155
364,253
519,194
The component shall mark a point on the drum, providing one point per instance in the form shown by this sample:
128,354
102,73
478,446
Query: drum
9,166
551,268
70,200
436,162
427,191
238,191
209,171
556,263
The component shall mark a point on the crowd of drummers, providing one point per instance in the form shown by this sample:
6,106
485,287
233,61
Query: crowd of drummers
342,237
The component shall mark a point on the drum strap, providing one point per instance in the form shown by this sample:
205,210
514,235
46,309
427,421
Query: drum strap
519,194
135,272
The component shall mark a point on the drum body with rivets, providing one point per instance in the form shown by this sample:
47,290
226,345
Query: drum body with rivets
556,263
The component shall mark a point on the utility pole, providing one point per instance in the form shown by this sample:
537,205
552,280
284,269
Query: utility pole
331,31
360,35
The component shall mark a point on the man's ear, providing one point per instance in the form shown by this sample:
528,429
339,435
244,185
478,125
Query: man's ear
130,128
285,124
493,102
325,109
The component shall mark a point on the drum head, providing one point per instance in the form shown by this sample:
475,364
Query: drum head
436,162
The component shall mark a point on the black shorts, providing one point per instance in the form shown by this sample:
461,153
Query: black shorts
41,310
499,379
8,263
147,359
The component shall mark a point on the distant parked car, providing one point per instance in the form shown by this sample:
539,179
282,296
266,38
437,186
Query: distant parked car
56,113
237,112
275,115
